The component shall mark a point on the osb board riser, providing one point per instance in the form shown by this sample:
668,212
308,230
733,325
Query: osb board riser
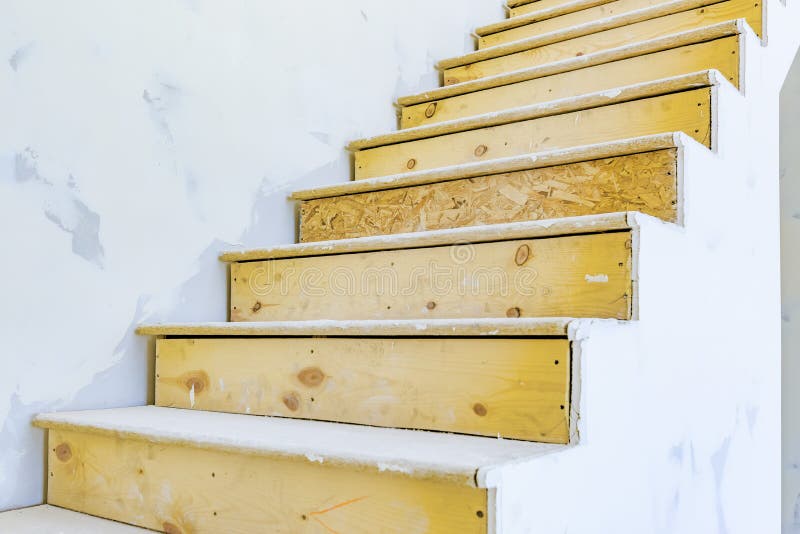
558,277
511,388
569,20
644,182
179,489
750,10
687,111
721,54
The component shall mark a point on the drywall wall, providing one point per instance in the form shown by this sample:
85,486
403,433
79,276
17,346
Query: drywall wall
140,138
790,295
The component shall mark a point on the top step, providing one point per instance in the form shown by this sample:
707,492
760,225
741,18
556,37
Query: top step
515,9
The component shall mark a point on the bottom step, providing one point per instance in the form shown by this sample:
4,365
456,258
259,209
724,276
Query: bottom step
182,471
48,519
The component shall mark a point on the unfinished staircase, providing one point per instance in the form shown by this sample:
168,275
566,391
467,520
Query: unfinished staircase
495,327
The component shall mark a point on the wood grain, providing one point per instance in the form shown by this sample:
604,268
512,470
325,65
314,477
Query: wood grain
721,54
528,8
687,111
463,280
645,182
529,55
514,388
180,489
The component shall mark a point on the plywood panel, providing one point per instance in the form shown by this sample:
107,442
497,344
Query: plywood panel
612,38
178,489
514,388
643,182
688,112
720,54
569,276
568,20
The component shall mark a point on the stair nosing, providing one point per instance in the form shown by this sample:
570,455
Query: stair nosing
640,48
578,225
588,28
560,106
550,158
500,327
456,458
517,3
538,16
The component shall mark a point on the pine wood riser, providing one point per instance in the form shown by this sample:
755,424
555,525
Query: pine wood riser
721,54
645,182
570,276
182,490
514,388
525,8
686,111
751,10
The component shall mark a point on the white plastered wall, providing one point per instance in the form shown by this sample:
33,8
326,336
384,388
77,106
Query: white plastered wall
790,295
138,139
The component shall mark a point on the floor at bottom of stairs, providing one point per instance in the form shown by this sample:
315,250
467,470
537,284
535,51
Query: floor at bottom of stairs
46,519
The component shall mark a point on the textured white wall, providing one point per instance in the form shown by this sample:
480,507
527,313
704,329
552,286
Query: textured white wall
790,282
137,139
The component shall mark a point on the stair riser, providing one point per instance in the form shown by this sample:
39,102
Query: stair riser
750,10
181,489
514,388
721,54
645,182
556,277
541,27
539,5
687,111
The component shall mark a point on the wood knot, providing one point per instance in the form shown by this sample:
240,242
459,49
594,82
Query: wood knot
311,376
171,528
479,409
430,110
292,401
513,312
411,163
628,244
579,54
522,255
64,452
480,150
431,305
256,307
196,380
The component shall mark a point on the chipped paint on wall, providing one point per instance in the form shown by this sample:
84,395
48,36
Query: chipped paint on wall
140,139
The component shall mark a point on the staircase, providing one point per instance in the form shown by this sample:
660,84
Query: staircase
547,303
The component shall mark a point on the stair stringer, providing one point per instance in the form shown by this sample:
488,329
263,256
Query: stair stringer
678,413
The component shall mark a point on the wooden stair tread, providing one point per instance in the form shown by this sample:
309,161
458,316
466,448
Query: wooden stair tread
607,222
537,160
580,30
47,519
708,33
457,458
530,327
537,15
566,105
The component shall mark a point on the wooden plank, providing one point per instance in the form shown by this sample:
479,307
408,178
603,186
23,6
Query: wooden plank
530,53
721,54
606,222
529,327
645,182
512,388
567,20
180,489
548,10
478,169
571,276
527,8
687,111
